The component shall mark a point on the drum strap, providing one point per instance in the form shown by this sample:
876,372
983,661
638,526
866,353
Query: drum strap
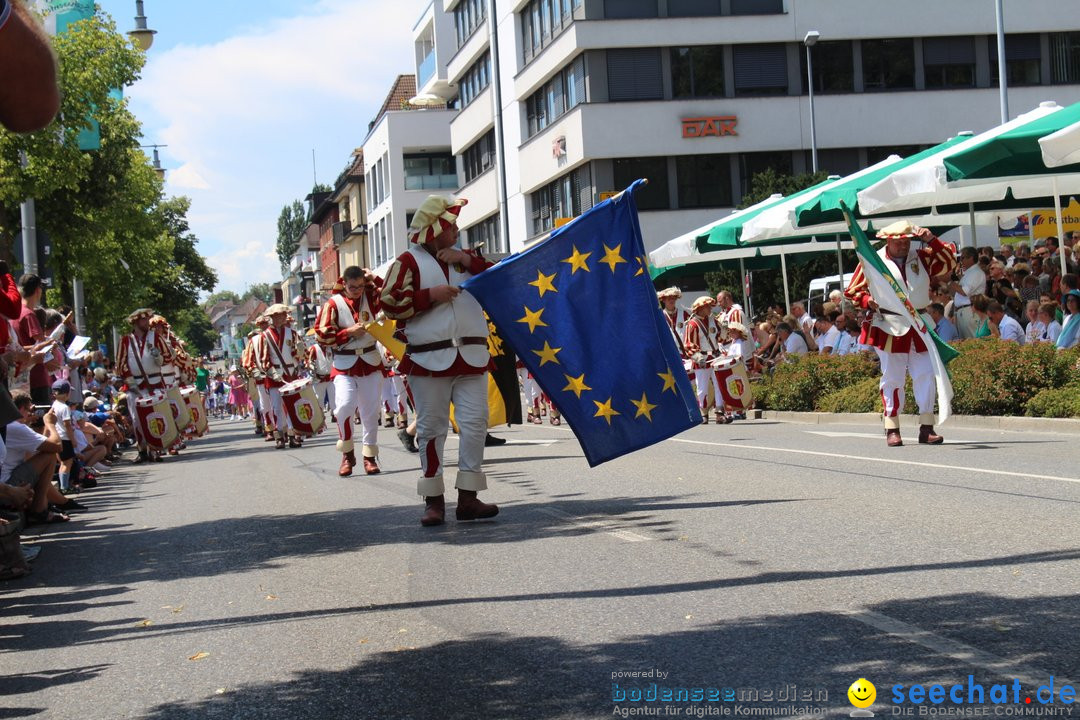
136,352
704,332
277,351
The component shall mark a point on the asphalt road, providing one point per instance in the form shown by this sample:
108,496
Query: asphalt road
755,556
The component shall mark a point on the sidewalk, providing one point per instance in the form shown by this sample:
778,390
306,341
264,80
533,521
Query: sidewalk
967,422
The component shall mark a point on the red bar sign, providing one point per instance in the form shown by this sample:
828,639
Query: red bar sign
709,126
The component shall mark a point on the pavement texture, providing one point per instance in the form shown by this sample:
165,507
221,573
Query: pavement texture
772,559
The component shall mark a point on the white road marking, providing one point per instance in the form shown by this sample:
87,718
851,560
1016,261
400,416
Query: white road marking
826,433
1031,678
835,456
601,525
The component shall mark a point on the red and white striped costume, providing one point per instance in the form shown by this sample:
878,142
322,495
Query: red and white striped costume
279,357
702,342
453,374
899,347
357,368
140,361
676,322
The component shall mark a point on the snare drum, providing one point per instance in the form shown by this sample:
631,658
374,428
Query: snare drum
734,382
181,413
299,401
154,415
194,401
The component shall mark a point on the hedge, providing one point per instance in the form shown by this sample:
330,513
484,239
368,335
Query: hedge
989,378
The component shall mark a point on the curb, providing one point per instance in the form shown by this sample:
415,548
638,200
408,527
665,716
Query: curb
974,422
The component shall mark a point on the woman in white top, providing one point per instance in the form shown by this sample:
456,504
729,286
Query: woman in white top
1035,327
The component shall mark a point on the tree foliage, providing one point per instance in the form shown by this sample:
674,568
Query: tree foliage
220,296
103,209
291,223
259,291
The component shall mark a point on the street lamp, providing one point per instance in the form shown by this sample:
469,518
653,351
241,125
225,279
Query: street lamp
810,41
141,35
157,161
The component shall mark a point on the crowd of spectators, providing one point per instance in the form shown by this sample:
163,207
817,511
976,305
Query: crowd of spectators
63,418
1015,294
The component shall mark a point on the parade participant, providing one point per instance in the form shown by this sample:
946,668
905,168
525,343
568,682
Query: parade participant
702,340
446,355
319,365
899,347
261,395
142,354
395,381
176,371
357,365
730,311
279,359
676,316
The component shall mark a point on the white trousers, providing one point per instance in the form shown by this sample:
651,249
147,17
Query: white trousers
278,416
389,397
966,322
134,394
432,396
530,388
325,392
704,380
401,399
266,407
352,394
894,370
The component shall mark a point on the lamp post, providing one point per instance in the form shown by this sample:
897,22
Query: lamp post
1003,87
141,35
157,160
810,41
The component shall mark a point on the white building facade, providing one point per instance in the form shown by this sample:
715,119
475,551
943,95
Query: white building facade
698,95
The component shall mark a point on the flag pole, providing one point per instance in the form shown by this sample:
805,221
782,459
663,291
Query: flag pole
783,267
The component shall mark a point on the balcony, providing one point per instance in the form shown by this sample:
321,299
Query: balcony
426,69
431,182
341,232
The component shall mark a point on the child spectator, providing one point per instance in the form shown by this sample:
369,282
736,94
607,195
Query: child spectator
65,429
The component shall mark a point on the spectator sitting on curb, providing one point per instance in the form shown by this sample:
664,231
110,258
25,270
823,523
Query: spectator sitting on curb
31,460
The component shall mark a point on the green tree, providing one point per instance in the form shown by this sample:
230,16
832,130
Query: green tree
291,223
193,325
259,291
219,296
178,286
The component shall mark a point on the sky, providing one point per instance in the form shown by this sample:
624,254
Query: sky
242,92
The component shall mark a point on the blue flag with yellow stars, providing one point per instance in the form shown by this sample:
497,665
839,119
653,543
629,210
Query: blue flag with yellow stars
580,311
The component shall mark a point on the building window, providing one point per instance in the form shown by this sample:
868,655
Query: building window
888,64
834,67
703,181
653,196
760,69
757,7
381,244
467,17
634,74
430,171
949,62
376,183
556,97
475,79
751,164
697,71
479,157
630,9
567,197
486,233
1065,57
693,8
1023,60
542,21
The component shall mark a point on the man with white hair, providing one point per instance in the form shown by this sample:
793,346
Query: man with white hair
446,354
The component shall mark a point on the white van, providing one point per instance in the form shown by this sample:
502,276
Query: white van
822,286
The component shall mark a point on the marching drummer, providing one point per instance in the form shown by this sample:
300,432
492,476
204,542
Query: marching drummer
280,357
173,371
249,361
139,361
357,370
702,339
318,363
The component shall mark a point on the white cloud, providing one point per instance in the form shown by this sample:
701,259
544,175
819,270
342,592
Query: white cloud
240,118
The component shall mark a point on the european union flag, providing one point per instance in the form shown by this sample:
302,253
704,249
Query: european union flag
580,311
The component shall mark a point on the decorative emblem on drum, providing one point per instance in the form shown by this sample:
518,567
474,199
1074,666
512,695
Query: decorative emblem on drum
156,425
304,412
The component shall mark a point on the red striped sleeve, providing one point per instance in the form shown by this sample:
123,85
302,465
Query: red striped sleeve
690,338
939,257
858,290
326,326
402,297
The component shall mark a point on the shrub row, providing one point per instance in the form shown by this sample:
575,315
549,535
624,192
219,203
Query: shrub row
989,378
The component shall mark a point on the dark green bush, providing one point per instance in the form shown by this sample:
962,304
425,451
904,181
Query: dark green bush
860,397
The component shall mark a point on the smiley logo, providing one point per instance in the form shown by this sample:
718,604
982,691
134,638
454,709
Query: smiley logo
862,693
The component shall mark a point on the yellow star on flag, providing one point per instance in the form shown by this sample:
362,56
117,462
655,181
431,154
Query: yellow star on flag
643,407
604,410
577,261
641,265
669,381
575,385
543,283
612,256
533,319
547,354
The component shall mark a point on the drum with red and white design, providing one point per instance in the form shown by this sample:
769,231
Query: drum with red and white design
197,408
154,414
305,411
181,412
734,382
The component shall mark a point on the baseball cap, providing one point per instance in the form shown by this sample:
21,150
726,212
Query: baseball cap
61,387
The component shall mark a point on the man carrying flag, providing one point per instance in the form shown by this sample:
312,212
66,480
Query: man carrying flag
895,284
446,354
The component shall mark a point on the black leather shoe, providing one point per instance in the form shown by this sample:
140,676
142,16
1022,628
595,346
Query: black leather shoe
492,441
